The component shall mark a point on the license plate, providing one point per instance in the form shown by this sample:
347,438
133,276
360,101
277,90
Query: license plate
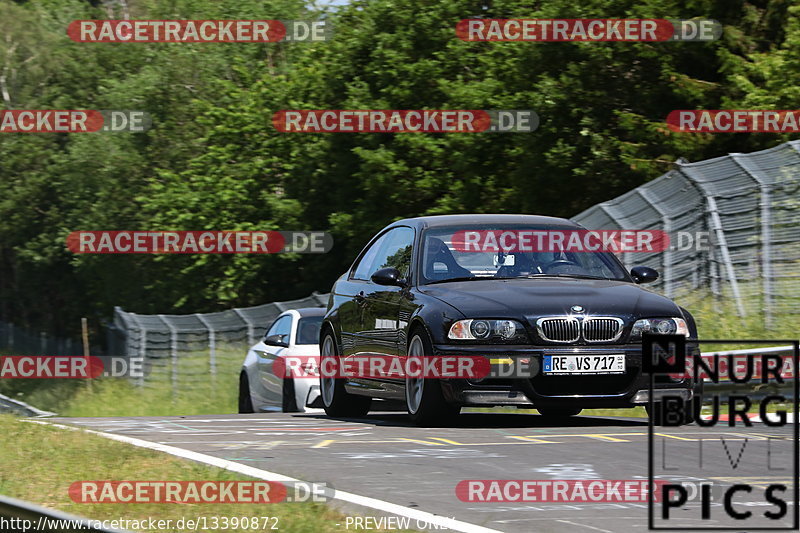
584,364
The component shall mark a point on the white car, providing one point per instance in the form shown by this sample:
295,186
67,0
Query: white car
263,385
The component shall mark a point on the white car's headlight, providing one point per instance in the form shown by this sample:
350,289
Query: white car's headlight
478,330
659,326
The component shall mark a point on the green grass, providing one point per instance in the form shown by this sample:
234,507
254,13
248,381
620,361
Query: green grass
52,459
717,318
197,392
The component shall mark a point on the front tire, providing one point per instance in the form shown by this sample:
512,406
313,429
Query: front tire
336,400
424,398
245,400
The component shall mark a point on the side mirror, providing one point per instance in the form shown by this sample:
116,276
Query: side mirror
643,274
276,340
388,276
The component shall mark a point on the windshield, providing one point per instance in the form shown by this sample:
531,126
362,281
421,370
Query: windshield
506,251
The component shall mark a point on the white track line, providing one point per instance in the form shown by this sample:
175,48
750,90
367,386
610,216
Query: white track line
585,525
364,501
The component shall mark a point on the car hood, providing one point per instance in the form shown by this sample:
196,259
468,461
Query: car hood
551,296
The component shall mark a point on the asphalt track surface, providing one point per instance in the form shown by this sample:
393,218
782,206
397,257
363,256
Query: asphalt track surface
382,456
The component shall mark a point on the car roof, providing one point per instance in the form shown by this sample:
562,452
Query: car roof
310,311
463,220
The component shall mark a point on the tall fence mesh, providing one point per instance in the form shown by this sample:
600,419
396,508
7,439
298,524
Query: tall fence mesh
184,349
15,340
750,207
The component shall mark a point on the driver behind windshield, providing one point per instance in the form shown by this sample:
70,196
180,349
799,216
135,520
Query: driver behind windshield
445,258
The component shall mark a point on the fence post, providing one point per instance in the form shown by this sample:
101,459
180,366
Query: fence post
766,253
173,337
666,256
85,339
617,217
713,270
250,327
212,346
142,347
766,232
723,248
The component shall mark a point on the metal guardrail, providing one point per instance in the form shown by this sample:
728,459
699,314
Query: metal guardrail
17,516
746,206
10,405
755,390
187,349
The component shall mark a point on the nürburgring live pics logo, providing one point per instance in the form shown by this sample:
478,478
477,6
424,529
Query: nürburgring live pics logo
750,471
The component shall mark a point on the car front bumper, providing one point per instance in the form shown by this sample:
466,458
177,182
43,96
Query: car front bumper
527,386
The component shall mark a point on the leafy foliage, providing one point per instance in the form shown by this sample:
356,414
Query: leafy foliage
213,160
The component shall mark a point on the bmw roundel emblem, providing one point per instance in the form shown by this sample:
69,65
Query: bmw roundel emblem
577,309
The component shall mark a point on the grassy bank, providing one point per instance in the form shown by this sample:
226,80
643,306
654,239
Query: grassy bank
52,459
193,391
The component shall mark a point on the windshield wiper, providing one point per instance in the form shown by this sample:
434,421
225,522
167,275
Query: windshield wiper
462,278
578,276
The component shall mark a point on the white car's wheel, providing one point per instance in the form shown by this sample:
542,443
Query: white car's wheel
245,400
288,400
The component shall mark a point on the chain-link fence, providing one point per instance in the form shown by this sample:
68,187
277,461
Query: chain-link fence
15,340
188,348
750,207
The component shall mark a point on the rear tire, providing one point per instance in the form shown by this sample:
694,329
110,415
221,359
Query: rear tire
336,400
559,412
245,400
425,401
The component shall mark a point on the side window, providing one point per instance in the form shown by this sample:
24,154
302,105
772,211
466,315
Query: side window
308,330
393,248
363,269
282,326
397,253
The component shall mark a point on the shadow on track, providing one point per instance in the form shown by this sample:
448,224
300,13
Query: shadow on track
496,421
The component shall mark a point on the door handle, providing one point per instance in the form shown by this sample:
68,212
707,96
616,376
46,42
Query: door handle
359,298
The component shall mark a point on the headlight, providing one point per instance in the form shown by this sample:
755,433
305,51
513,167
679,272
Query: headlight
477,329
659,326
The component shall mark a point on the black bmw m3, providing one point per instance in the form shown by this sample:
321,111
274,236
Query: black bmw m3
481,285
